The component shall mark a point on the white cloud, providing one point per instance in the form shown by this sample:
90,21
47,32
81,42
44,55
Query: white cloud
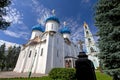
85,1
42,12
13,15
18,28
8,44
76,29
17,34
11,33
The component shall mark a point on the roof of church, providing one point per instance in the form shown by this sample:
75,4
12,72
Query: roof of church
65,30
54,18
38,27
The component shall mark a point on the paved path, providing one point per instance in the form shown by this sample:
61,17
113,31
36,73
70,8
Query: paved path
11,74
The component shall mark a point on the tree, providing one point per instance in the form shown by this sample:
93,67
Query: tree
17,51
2,57
3,23
9,58
107,20
12,56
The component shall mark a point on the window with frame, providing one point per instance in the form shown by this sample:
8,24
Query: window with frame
52,26
92,50
87,32
30,53
57,53
57,40
41,52
85,27
89,40
35,53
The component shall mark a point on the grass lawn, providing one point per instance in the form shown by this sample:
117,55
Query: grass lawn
100,76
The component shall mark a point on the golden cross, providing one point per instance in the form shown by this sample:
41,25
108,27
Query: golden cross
53,11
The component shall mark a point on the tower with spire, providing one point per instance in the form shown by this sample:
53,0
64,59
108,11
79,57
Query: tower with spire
91,48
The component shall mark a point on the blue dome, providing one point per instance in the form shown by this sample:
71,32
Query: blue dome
53,18
65,30
38,27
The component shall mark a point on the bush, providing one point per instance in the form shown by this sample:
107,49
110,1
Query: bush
62,73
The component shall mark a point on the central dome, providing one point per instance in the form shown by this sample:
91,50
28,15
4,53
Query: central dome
52,18
38,27
65,30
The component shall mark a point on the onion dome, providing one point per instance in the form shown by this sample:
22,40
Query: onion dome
65,30
38,27
52,18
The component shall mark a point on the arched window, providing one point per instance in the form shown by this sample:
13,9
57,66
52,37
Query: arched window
89,40
35,53
87,32
30,53
92,50
85,27
41,51
57,40
57,53
52,26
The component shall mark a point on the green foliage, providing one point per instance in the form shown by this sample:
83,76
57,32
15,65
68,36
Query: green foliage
102,76
62,73
8,58
2,56
108,23
12,57
3,23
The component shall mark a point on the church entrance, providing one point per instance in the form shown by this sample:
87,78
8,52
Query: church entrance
69,61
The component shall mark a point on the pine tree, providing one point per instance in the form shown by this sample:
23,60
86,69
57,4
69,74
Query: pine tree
17,51
107,17
9,58
2,57
12,57
3,23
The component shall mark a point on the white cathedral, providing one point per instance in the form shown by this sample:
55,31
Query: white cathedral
49,48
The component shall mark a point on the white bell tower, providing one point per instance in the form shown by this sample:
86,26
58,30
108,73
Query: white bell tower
91,48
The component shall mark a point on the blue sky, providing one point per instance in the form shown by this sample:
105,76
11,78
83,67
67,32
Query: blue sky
26,13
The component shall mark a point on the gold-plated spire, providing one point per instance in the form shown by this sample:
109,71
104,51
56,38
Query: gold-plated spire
85,24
